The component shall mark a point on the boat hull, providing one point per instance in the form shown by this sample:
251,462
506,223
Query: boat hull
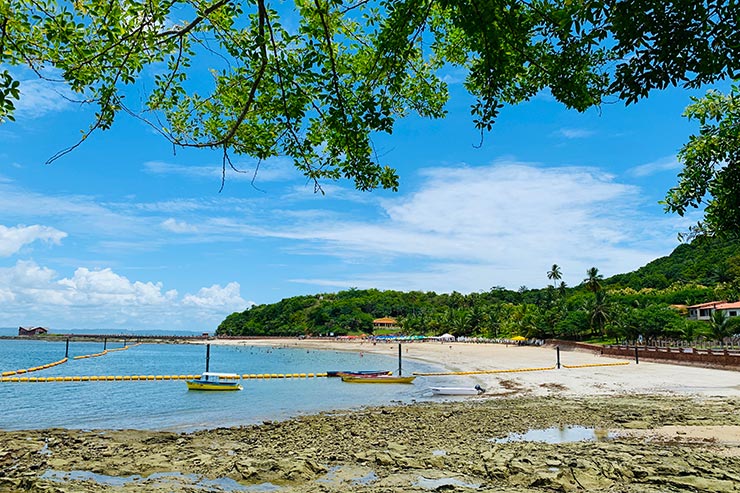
455,391
198,385
360,373
378,379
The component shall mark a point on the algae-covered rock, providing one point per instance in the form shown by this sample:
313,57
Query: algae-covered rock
397,445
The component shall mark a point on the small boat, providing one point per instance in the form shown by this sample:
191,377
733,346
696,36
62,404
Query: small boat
458,390
359,373
378,379
215,381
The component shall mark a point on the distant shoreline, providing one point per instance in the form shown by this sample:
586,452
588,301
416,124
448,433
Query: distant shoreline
531,370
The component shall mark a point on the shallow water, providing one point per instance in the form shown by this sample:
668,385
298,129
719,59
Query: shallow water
194,482
442,483
556,434
167,404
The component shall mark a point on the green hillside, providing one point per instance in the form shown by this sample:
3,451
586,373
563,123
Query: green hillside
623,306
705,261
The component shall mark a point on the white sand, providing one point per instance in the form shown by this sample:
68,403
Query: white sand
645,377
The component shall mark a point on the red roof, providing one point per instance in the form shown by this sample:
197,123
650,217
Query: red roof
728,306
709,304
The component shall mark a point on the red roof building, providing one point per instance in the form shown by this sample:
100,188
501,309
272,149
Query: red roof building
703,311
32,331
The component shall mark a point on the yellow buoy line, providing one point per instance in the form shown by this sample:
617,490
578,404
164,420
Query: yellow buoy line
106,351
622,363
481,372
84,356
516,370
109,378
35,368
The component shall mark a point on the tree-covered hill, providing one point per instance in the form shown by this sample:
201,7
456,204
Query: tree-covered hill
623,306
705,261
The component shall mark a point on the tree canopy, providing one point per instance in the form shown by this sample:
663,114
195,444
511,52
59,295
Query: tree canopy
316,79
643,302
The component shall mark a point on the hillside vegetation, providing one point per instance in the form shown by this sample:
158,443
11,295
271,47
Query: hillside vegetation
646,302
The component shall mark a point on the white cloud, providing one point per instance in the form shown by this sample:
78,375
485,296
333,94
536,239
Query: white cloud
14,238
216,296
668,163
469,228
105,286
40,97
176,226
575,133
102,298
269,170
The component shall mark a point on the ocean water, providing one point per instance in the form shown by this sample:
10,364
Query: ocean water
167,404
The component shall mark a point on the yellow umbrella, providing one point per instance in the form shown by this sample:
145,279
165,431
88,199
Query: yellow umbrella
518,338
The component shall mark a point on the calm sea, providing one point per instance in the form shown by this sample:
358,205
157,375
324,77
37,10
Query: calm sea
167,404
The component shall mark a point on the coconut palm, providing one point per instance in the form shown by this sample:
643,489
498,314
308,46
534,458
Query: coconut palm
593,281
561,288
554,274
599,313
719,325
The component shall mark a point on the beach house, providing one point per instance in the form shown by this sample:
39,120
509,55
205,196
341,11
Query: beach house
32,331
703,311
385,323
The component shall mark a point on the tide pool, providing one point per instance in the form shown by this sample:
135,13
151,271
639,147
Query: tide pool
167,404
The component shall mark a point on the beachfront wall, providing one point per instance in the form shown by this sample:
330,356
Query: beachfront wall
727,359
705,357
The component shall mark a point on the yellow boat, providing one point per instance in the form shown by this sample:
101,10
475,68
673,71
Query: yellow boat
378,379
213,381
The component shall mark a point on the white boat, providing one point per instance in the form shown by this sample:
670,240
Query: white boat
215,381
458,390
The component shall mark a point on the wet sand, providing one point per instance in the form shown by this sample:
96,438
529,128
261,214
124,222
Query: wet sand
647,428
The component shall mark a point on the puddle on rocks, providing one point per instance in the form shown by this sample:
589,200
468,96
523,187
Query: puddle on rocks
194,481
339,474
65,476
442,483
366,479
559,435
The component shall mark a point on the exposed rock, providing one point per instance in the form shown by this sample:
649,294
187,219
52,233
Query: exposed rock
394,446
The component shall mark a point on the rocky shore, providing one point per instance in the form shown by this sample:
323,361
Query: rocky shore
636,443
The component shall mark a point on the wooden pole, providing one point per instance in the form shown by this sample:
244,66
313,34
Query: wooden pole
105,343
208,356
66,351
399,359
637,357
557,348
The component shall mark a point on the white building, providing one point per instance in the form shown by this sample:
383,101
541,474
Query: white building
703,311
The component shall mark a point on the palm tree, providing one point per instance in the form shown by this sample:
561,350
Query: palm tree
554,274
561,288
719,324
593,281
599,313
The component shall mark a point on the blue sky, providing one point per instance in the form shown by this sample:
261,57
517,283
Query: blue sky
124,234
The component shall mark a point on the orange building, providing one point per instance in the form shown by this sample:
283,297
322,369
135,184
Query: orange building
385,323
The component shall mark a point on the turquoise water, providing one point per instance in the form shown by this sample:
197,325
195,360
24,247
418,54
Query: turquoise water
167,404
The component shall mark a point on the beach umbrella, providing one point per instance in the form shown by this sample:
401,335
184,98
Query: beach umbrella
518,338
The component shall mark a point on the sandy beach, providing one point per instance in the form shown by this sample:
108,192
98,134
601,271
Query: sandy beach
646,427
612,376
